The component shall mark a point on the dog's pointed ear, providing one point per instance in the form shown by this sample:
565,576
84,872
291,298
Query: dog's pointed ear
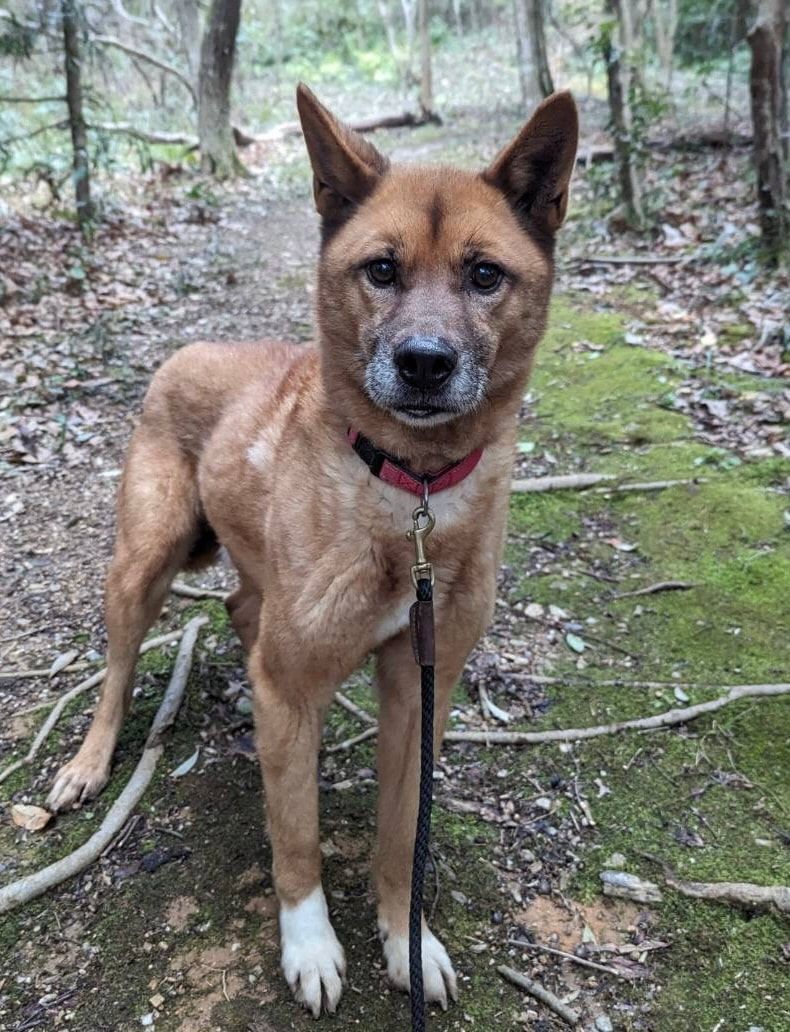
346,168
534,171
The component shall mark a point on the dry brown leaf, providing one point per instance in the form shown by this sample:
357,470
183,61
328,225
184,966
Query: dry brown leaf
30,818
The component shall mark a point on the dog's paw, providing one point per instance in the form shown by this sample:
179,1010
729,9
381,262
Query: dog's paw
312,958
438,976
79,780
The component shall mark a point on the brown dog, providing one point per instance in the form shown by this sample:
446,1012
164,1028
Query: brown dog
433,287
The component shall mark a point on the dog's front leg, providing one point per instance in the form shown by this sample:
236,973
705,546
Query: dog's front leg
289,715
398,760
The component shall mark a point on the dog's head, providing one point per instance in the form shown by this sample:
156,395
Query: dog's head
434,282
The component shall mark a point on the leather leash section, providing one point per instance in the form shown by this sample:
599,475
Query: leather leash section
422,639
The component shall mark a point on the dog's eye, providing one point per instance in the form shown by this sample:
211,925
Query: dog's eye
381,272
485,276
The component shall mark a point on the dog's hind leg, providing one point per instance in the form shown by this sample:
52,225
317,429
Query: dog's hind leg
158,529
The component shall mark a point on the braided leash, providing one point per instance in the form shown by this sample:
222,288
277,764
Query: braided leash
422,634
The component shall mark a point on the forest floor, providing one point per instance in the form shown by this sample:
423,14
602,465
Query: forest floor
671,371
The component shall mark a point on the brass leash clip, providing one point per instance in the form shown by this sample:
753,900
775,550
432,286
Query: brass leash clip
422,569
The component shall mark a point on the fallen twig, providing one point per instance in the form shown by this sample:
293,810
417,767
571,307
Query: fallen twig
581,961
57,710
563,482
188,591
636,259
568,1015
653,589
584,481
357,711
761,897
14,675
669,718
33,885
349,743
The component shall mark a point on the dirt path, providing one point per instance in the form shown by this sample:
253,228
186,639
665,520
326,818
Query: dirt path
176,925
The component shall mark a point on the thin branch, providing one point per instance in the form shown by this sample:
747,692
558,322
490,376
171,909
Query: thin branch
33,885
635,259
568,1015
349,743
581,961
653,589
571,481
64,700
760,897
30,100
669,718
175,139
583,481
111,41
188,591
357,711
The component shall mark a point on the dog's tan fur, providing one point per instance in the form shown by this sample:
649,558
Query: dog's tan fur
247,442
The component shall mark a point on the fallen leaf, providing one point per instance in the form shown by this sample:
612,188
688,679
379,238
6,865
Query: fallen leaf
186,766
573,641
31,818
62,661
620,545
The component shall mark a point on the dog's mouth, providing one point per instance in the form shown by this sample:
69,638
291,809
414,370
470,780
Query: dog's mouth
422,411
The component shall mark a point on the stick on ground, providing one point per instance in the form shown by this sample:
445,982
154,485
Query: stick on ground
669,718
522,944
568,1015
57,710
759,897
33,885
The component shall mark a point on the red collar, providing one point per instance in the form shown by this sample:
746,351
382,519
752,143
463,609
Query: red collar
387,468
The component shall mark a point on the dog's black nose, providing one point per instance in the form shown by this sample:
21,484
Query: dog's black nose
425,362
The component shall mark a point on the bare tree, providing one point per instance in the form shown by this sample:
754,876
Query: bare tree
618,49
426,74
217,53
79,130
665,25
188,14
766,37
533,63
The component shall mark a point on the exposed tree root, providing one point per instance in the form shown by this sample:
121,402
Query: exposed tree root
33,885
57,710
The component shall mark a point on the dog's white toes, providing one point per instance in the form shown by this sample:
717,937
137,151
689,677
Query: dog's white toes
76,782
438,976
312,958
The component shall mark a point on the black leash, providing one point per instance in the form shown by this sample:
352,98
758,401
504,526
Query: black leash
423,643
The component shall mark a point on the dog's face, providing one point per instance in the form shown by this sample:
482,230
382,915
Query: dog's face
434,282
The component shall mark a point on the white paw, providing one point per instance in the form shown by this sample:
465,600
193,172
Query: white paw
312,958
438,976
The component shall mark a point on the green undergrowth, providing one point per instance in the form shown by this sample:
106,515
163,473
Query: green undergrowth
711,800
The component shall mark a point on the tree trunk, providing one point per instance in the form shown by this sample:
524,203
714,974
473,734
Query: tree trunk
617,45
218,50
188,15
426,77
665,25
79,133
409,8
533,63
766,38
